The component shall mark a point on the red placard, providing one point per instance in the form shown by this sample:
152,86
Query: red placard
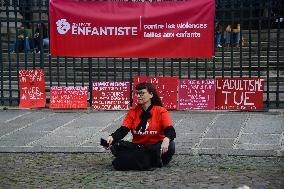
166,87
196,94
239,93
132,29
111,95
32,89
68,97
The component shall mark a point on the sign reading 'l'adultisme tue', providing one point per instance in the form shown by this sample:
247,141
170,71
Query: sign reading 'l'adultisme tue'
239,93
132,29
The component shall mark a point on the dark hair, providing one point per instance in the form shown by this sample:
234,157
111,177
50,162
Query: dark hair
155,100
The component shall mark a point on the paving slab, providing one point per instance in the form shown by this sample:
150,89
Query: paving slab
217,143
6,116
227,126
265,123
261,139
198,132
20,122
251,146
195,123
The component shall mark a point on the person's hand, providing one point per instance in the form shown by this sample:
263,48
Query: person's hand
165,145
109,140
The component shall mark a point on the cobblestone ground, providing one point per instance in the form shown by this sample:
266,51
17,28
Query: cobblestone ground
94,170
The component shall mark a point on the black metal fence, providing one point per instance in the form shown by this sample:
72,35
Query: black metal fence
258,54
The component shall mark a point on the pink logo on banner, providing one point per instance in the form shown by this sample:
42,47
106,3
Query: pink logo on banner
111,95
239,93
166,87
32,89
197,94
68,97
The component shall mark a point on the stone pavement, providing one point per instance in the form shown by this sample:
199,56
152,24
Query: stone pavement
198,132
94,170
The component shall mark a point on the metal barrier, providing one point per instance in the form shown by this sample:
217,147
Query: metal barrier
256,55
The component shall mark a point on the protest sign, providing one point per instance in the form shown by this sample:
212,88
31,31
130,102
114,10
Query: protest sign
166,87
68,97
239,93
32,89
111,95
196,94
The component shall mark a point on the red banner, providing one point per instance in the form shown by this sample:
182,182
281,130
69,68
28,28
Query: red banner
196,94
132,29
111,95
166,87
68,97
239,93
32,89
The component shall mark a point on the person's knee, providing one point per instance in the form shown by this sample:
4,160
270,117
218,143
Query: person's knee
172,147
132,161
118,165
45,42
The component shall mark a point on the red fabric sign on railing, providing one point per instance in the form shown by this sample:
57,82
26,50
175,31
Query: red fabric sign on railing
196,94
166,87
132,29
239,93
68,97
32,89
111,95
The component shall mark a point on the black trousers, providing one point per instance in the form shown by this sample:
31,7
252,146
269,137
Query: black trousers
130,156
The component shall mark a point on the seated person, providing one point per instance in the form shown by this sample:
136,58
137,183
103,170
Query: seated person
153,134
37,37
233,35
228,35
23,40
218,34
237,35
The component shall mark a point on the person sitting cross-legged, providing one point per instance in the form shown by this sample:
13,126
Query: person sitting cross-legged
153,134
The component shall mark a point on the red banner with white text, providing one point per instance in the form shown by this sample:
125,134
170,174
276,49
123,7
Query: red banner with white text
132,29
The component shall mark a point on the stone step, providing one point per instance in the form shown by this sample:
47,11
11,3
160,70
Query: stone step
273,42
15,96
35,57
218,53
227,66
227,61
152,69
110,75
14,83
227,54
13,89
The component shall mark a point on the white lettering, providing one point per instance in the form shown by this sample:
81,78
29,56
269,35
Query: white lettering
226,95
79,29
